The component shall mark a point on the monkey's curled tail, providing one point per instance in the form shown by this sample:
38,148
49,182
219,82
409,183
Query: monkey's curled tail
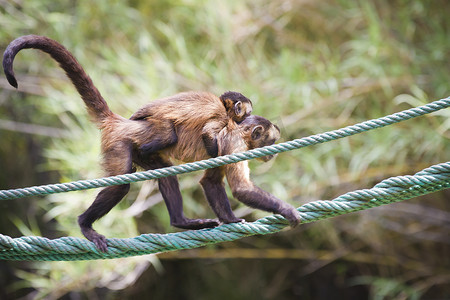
97,107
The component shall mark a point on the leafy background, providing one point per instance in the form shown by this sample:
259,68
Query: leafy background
309,66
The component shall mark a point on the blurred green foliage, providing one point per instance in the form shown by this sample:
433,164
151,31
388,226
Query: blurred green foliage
309,66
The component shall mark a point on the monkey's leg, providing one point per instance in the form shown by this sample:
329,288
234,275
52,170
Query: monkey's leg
170,190
162,136
108,197
213,187
103,203
156,145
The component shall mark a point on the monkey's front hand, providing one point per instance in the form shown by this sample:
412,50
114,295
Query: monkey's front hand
291,214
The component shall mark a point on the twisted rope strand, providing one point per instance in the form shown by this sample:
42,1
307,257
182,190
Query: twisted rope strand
390,190
227,159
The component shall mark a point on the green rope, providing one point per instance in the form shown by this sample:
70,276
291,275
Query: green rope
391,190
228,159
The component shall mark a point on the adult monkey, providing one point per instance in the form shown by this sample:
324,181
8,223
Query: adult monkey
188,126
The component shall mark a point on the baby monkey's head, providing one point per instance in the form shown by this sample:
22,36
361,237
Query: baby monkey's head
237,105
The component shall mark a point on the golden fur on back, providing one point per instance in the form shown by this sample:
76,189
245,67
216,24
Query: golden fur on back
187,113
187,127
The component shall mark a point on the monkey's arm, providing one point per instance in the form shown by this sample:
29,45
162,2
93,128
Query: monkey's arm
213,186
209,136
170,190
243,189
210,143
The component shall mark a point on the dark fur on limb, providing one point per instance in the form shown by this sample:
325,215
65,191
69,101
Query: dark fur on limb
188,127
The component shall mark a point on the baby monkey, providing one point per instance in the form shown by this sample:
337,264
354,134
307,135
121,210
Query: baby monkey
187,127
173,119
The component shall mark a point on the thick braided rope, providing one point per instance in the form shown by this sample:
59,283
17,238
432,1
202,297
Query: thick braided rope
227,159
391,190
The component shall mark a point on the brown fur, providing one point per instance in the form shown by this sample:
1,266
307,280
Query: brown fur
193,115
189,113
253,132
237,105
178,127
96,105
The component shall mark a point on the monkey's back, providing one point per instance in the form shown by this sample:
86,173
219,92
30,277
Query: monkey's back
188,112
182,108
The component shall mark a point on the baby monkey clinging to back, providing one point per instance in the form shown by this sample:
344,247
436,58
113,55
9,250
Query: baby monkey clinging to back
173,120
187,126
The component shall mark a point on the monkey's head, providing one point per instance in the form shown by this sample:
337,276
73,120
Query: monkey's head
259,132
237,105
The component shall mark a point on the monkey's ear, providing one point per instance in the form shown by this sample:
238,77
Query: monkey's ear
257,132
238,109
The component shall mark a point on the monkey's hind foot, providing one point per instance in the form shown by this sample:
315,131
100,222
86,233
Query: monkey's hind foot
234,220
95,237
196,223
